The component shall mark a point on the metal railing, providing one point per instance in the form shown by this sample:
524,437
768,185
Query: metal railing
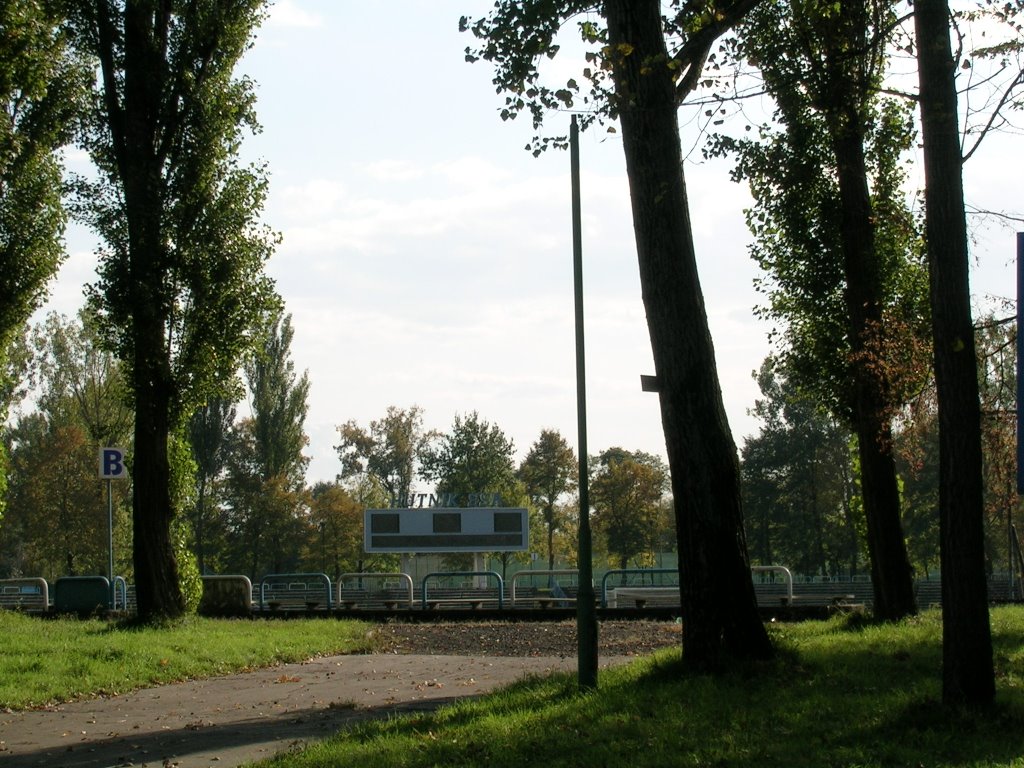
463,597
632,572
295,585
124,593
545,599
405,578
30,594
786,575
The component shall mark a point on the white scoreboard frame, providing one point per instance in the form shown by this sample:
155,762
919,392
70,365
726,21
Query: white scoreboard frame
446,529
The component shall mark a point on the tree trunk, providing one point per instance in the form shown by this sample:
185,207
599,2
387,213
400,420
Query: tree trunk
157,588
156,574
719,608
200,524
967,672
891,574
551,539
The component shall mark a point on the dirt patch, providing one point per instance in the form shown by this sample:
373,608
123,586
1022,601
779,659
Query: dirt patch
524,639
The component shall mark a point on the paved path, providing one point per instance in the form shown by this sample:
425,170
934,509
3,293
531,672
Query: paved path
227,721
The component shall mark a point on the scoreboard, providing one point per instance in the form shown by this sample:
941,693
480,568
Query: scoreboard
440,529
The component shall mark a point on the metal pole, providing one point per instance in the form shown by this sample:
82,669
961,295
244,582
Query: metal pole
586,613
1020,393
1020,360
110,539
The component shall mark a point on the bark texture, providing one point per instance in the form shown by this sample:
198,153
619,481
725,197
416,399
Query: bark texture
891,574
718,604
135,130
967,672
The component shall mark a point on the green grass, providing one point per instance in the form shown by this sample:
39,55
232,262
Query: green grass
838,695
47,660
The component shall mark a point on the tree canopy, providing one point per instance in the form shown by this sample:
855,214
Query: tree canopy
386,452
548,471
42,89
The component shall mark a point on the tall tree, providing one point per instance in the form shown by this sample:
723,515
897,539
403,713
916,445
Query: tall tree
76,373
626,492
57,506
548,471
797,482
473,460
181,280
208,432
279,405
837,242
266,517
386,452
718,604
56,511
647,85
267,465
997,380
41,90
968,676
475,457
338,519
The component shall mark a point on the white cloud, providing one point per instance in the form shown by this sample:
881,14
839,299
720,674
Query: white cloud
392,170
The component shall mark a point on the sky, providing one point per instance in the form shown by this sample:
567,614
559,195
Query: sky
426,257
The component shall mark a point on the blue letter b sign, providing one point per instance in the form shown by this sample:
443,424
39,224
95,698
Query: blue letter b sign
112,464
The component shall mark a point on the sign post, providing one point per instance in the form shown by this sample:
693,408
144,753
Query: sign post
112,467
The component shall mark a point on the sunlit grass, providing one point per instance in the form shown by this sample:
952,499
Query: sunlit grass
839,694
45,660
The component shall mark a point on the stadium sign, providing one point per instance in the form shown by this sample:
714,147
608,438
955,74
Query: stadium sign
446,529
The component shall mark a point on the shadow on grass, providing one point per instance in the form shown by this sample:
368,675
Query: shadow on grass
873,701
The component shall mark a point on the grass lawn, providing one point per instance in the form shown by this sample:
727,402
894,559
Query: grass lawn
45,660
838,695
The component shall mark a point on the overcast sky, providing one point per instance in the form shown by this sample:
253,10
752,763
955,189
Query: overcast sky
427,258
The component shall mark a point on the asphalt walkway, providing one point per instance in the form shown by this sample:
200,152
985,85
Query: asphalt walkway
232,720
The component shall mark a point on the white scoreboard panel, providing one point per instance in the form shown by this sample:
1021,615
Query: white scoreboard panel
442,529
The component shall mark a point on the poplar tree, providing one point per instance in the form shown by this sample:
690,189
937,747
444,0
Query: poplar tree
385,453
279,405
41,90
181,282
548,471
626,490
267,465
845,280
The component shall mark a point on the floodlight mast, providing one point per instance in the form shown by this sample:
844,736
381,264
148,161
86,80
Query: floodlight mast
586,612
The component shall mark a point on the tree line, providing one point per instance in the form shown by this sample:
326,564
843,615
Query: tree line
246,507
240,486
856,284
